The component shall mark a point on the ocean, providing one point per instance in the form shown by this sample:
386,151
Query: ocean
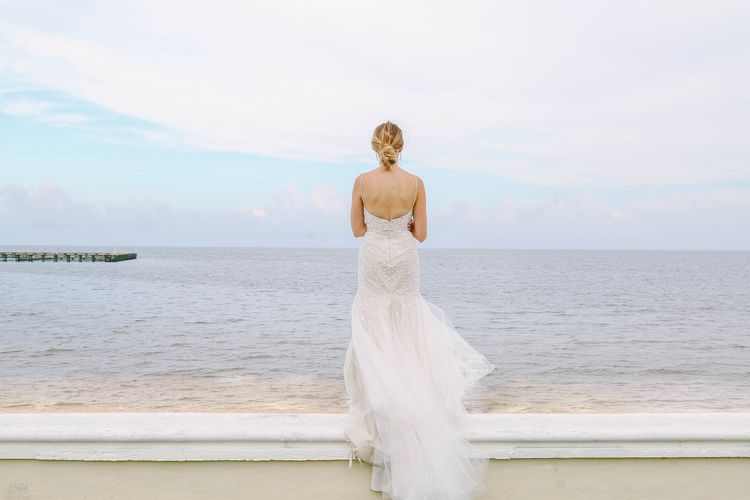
266,329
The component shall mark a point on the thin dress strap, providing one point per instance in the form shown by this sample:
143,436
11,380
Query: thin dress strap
416,189
361,188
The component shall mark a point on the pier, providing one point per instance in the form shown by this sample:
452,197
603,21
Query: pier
66,256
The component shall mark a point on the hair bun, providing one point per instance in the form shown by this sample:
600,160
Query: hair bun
388,153
387,149
387,141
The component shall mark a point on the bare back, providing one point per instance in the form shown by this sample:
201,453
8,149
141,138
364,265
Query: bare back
388,195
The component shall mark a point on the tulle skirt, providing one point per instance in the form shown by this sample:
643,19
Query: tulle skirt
406,372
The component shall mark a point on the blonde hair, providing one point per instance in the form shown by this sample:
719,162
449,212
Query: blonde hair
387,141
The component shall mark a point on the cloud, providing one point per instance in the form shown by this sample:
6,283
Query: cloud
49,203
46,206
618,214
42,111
509,211
99,124
48,213
321,200
25,107
65,118
253,212
326,200
543,92
705,219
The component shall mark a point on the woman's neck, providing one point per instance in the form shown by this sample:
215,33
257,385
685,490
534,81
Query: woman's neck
393,168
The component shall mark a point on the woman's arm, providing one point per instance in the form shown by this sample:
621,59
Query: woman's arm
359,228
418,226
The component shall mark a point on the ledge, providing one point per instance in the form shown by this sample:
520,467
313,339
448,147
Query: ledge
183,436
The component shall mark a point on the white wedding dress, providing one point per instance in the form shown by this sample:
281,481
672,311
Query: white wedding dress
406,372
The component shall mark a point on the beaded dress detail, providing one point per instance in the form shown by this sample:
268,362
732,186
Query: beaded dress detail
406,372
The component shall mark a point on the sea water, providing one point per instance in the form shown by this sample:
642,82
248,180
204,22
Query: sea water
266,329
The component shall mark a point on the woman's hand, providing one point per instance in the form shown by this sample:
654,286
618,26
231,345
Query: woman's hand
410,225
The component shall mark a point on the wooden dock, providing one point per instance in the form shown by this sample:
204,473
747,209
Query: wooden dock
66,256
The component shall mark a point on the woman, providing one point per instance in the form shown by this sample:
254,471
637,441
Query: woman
406,368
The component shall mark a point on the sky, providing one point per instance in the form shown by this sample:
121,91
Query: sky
533,124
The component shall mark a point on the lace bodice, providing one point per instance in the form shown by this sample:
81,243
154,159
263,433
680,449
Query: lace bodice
388,258
390,227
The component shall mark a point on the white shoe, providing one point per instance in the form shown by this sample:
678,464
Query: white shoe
353,454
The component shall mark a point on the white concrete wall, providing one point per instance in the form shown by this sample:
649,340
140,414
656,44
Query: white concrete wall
305,456
516,479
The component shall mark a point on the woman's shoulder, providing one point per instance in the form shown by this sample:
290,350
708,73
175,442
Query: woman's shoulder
364,173
415,176
411,174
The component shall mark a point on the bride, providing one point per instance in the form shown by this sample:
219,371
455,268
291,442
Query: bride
406,369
